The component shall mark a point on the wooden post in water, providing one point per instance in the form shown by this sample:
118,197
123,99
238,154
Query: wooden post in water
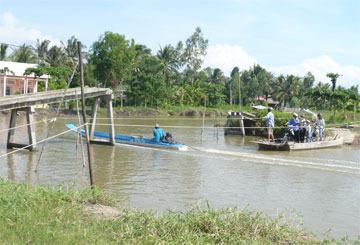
30,129
83,107
241,121
110,119
11,132
203,120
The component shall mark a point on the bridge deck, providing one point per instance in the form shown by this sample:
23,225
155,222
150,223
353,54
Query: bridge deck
54,96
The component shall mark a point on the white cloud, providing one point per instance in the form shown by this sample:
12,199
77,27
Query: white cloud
319,67
226,57
14,33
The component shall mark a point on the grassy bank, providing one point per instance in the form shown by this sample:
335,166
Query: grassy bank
339,117
52,215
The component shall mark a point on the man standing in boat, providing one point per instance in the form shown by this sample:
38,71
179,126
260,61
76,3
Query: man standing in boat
320,124
159,133
270,124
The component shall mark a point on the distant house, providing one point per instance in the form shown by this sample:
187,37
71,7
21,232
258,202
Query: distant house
13,80
269,101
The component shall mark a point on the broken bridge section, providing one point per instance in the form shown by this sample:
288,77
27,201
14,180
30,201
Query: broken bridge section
26,102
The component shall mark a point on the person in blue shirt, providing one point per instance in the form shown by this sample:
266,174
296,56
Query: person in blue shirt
159,133
294,127
270,124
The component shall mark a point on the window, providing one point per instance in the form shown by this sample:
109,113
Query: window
8,90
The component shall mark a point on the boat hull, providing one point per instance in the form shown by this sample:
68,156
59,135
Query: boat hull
316,144
292,146
131,140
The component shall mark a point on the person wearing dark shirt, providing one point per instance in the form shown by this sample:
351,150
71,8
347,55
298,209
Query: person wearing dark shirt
294,127
302,131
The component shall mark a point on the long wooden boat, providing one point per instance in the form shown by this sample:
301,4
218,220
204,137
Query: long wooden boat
132,140
292,146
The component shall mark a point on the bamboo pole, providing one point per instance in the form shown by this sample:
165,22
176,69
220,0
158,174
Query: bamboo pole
203,120
89,149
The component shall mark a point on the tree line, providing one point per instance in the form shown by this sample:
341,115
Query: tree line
175,75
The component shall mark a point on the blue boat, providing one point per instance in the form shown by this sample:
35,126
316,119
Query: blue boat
132,140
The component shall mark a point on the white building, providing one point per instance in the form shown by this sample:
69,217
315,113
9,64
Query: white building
13,80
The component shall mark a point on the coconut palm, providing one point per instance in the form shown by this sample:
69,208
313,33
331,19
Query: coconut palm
42,49
234,82
169,60
24,54
71,49
333,77
286,88
55,56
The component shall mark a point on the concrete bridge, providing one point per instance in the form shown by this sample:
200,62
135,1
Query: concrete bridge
26,102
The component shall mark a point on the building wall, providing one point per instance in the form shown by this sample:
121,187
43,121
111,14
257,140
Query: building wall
17,85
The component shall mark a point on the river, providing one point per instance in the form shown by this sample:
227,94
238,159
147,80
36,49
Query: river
319,187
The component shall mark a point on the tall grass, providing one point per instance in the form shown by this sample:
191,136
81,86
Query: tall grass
42,215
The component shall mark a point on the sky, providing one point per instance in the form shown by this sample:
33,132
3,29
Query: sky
284,36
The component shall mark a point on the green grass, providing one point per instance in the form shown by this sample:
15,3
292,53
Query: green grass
41,215
341,117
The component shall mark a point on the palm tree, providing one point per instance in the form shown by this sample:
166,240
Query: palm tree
42,49
3,49
234,82
168,58
24,54
70,49
286,88
333,77
55,56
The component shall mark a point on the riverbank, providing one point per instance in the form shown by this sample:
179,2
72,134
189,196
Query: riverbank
43,215
340,118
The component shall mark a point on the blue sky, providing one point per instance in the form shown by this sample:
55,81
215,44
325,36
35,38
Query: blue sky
282,35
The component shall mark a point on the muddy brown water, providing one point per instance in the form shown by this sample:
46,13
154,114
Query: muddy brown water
319,187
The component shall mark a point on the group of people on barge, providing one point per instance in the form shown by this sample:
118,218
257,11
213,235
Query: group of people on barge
299,129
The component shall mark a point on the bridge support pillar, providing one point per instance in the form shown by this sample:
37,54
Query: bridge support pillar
30,129
110,119
110,116
93,117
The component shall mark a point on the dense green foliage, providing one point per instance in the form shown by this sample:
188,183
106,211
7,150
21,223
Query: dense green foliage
174,76
41,215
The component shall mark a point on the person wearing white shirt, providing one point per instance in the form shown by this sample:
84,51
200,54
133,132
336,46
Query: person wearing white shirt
270,124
